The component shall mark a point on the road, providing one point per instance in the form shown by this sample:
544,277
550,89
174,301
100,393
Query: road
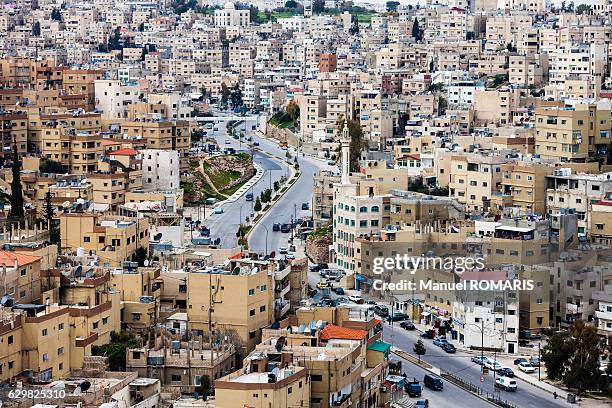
272,159
459,363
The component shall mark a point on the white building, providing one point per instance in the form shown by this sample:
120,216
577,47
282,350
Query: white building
488,319
603,315
113,98
230,17
160,169
463,92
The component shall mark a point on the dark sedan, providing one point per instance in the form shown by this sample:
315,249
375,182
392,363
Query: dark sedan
407,325
449,348
506,372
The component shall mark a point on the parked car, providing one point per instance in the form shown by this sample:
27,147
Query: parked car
342,300
305,206
449,348
428,334
316,267
422,403
492,365
275,227
355,299
290,256
479,360
398,317
413,388
249,197
505,383
285,228
255,143
339,291
526,367
407,325
282,250
382,311
506,372
227,141
534,361
433,382
323,284
331,162
440,341
520,360
219,210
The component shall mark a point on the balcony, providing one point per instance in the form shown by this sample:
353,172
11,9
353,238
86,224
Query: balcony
282,289
344,401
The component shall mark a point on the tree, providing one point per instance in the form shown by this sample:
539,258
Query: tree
570,7
357,143
116,349
225,94
276,186
573,356
205,385
392,6
114,41
236,96
36,29
584,9
419,349
291,4
442,105
51,166
56,15
197,135
293,110
17,212
257,206
318,6
49,213
416,31
140,256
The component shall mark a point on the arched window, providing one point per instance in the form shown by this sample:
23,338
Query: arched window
363,209
375,208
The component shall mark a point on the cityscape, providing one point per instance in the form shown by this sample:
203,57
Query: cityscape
305,203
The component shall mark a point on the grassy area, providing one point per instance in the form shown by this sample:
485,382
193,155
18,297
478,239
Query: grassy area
365,17
282,121
284,14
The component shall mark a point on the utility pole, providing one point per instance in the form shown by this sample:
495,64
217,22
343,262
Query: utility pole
482,346
539,362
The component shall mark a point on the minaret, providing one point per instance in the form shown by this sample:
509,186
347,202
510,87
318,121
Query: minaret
345,141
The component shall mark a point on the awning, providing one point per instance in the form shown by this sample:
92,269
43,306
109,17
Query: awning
425,314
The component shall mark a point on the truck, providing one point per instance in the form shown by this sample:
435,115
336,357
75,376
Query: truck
413,388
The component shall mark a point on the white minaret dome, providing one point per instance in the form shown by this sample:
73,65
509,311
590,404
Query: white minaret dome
230,6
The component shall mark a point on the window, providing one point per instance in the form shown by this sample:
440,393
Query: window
539,301
511,330
252,312
263,288
45,357
44,332
60,351
251,292
289,390
60,326
316,377
10,339
251,335
136,316
95,325
176,378
375,209
262,308
86,239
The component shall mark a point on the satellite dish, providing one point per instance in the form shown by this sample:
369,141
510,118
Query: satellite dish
77,271
85,385
146,262
254,270
89,273
157,236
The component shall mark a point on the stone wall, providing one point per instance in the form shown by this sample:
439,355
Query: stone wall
318,250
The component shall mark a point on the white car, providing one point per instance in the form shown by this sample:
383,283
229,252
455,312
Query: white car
492,365
506,383
282,250
355,299
290,256
526,368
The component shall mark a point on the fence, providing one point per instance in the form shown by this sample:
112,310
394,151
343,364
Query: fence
491,397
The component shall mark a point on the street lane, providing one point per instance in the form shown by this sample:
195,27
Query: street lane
459,363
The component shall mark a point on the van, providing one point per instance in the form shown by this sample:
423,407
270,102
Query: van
505,383
433,382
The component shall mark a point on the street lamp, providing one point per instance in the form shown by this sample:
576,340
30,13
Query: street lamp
481,328
266,228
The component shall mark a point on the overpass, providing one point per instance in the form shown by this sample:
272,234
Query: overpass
219,119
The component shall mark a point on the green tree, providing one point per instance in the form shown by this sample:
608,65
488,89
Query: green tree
416,31
49,213
257,206
584,9
140,256
293,110
225,94
276,186
17,212
56,15
205,385
116,349
36,29
556,354
51,166
392,6
291,4
318,6
197,135
419,349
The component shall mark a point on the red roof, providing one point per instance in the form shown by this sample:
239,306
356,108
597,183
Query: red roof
237,255
331,331
125,152
8,258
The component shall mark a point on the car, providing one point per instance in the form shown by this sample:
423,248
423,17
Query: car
318,267
520,360
492,365
323,284
355,299
479,360
339,291
382,311
440,341
323,273
305,206
534,361
290,256
413,388
398,317
219,210
505,372
227,141
282,250
407,325
342,300
505,383
422,403
433,382
275,227
428,334
370,302
285,228
331,162
526,367
249,197
449,348
255,143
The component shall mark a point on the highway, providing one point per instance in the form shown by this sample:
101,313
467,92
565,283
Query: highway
272,159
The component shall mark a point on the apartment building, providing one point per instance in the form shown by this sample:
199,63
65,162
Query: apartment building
160,169
21,276
14,132
238,299
114,239
160,135
522,188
